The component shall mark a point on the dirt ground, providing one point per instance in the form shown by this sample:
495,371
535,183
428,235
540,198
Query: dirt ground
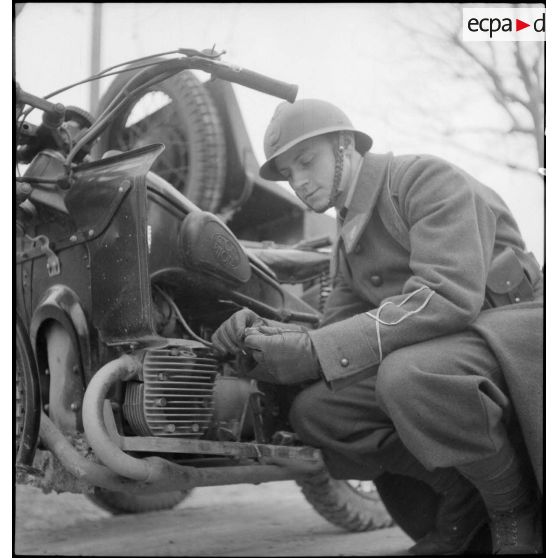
271,519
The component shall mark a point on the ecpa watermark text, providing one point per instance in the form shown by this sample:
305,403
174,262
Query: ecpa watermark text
504,24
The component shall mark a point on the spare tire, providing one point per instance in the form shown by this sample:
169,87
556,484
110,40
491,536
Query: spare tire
179,113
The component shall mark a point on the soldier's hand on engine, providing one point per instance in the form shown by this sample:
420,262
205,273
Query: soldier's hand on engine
229,336
284,354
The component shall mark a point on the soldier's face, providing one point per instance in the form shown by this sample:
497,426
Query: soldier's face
310,168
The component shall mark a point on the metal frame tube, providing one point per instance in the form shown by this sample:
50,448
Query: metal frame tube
175,477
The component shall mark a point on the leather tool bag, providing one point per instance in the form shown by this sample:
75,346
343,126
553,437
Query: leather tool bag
507,282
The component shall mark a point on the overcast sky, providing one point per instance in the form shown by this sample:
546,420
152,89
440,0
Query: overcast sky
354,55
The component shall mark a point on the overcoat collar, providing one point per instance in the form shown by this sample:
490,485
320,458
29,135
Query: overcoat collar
374,174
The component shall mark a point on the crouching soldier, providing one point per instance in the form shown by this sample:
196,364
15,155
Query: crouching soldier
427,362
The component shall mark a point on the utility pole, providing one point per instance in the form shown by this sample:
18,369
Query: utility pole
96,28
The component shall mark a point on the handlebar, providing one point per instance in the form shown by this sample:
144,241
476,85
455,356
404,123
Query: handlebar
234,74
254,80
192,60
28,99
153,73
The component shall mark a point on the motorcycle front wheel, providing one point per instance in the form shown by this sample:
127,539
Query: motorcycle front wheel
120,503
27,401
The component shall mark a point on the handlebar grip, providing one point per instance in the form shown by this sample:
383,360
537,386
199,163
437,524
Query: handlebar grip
259,82
38,102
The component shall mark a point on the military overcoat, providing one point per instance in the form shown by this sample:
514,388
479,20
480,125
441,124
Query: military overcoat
423,248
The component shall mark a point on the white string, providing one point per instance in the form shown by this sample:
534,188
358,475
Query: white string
378,338
379,321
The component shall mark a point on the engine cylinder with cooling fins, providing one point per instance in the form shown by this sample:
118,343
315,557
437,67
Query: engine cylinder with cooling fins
176,395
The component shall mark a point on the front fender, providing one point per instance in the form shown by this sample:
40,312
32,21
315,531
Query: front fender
62,305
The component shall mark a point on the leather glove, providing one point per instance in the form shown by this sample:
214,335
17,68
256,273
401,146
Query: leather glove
284,354
229,336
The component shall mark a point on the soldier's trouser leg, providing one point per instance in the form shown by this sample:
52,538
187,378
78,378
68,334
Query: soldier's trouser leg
359,441
357,438
447,400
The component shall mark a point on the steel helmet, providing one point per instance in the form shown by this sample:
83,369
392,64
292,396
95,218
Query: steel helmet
301,120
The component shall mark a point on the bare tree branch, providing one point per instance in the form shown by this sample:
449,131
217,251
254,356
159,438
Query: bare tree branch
492,54
511,74
499,131
537,64
431,134
491,72
535,102
489,157
505,106
522,66
415,32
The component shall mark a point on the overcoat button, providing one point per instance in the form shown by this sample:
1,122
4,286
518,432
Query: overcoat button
376,280
344,362
358,249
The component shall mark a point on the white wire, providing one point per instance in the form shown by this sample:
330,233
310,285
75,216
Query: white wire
379,321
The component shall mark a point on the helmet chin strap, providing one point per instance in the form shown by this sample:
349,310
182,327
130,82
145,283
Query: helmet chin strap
338,174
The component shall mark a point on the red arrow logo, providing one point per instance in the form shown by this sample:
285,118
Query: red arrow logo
519,25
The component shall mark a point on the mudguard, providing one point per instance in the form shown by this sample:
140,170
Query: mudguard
61,304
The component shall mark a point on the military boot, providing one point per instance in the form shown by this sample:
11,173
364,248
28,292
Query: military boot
517,531
461,514
509,491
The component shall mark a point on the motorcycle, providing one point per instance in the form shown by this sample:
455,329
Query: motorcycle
122,276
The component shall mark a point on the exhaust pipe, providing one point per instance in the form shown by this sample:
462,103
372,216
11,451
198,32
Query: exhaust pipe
156,471
123,368
84,469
